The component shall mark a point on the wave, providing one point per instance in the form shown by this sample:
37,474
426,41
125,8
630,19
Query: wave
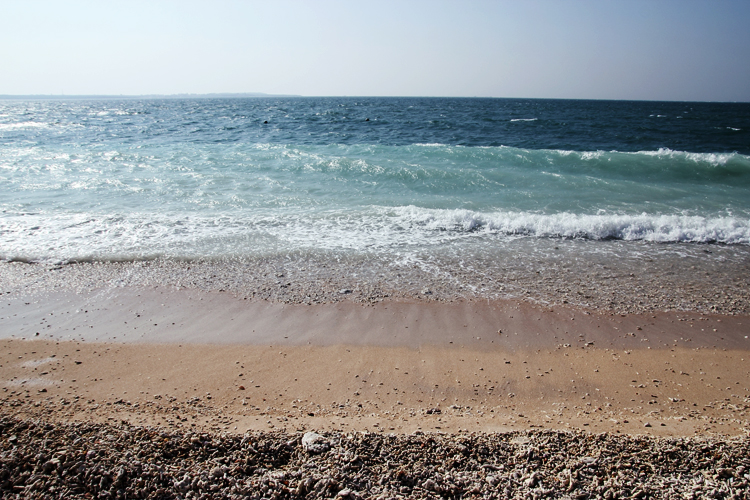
433,160
653,228
662,165
713,159
657,165
41,237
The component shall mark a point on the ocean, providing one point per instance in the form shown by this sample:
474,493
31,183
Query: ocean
433,182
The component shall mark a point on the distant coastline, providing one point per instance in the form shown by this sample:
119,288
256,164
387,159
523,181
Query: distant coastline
144,96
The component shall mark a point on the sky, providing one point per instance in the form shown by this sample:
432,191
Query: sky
629,49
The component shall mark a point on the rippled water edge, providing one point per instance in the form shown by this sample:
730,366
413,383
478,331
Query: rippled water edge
619,277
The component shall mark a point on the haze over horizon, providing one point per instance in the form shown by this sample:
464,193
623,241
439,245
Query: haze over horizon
669,50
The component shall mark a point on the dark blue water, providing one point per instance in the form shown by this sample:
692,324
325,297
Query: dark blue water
576,125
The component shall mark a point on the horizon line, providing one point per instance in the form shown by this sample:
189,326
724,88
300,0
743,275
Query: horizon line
240,95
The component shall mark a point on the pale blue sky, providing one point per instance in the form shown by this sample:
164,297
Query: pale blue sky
656,49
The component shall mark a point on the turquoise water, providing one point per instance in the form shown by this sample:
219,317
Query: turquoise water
119,180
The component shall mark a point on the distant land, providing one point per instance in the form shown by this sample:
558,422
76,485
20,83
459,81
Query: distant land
147,96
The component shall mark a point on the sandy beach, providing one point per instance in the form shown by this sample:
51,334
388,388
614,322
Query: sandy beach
193,357
196,359
202,362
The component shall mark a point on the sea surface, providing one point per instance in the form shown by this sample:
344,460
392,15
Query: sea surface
405,179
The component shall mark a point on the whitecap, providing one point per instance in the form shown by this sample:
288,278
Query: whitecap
711,158
23,125
646,227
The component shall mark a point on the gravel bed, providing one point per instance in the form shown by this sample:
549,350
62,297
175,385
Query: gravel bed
84,460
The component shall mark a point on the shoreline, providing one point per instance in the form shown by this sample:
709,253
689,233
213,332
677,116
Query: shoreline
596,276
486,365
393,366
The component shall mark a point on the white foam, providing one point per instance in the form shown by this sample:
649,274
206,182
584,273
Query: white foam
656,228
591,155
386,230
524,119
716,158
23,125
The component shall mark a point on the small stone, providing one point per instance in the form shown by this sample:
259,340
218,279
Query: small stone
312,442
344,291
647,424
219,471
429,485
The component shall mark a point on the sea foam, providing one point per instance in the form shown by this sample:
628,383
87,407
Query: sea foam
379,229
656,228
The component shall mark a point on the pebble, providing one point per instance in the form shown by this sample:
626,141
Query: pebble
312,442
40,459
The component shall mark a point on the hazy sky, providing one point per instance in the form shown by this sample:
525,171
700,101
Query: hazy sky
655,49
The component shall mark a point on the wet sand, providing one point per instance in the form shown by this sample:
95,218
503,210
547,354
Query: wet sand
610,276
